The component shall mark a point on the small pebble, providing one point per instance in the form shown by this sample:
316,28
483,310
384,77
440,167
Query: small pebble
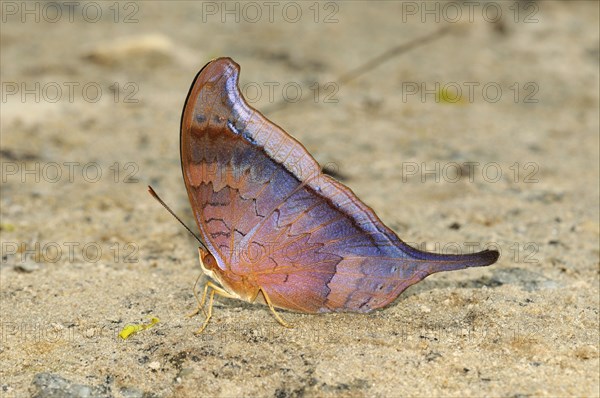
154,365
27,267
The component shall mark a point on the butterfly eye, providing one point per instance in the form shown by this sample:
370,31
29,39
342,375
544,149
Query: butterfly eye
209,261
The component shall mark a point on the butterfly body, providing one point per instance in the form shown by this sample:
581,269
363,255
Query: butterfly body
274,224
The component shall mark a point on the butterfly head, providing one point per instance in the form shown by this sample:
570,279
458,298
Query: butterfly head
207,260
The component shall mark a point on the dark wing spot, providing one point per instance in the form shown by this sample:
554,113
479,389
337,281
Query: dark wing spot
248,137
218,204
214,235
364,303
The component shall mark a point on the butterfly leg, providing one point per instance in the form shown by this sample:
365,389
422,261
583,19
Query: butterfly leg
215,289
200,302
268,301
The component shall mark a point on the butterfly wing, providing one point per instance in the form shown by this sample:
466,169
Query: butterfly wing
273,220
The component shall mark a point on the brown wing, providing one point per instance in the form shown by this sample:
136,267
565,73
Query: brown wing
272,219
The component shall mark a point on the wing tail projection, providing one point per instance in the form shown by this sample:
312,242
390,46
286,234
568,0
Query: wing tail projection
452,262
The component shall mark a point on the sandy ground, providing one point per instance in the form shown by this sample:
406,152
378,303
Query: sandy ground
90,116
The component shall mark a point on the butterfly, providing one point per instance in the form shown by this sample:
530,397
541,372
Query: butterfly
274,228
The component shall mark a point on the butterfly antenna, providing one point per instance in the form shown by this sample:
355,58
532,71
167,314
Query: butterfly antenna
155,195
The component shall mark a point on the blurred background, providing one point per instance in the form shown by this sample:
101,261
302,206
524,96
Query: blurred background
464,125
